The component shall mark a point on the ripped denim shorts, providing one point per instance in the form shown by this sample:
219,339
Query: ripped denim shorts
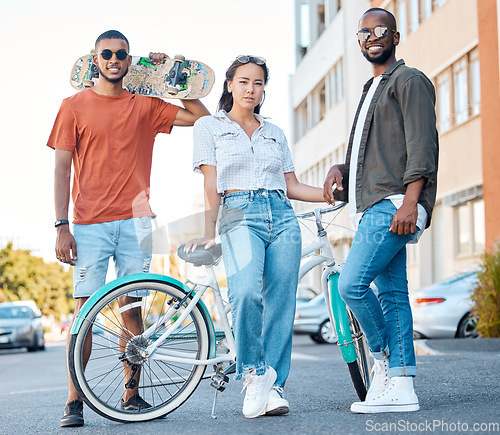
126,241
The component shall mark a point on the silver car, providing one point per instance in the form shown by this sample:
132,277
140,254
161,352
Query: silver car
443,310
21,326
311,318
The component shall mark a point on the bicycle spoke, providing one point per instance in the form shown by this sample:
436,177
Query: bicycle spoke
120,356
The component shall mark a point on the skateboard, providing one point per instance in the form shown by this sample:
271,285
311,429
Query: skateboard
174,78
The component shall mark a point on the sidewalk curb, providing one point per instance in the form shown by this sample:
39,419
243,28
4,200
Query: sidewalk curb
422,348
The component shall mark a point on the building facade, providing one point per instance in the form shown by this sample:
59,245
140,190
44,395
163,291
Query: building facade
442,39
324,93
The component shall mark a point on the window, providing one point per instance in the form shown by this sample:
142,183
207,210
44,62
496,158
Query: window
333,6
401,19
321,19
339,91
304,39
410,13
463,229
336,84
426,9
479,225
443,102
302,119
458,92
414,15
322,101
470,227
316,174
474,83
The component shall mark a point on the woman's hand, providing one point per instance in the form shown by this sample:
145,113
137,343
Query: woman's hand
194,243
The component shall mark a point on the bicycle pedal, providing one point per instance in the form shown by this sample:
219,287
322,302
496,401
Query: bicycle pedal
219,381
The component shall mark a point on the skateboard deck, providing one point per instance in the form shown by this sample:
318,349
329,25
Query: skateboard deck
174,78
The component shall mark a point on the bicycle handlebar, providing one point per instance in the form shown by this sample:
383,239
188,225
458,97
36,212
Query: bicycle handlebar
321,210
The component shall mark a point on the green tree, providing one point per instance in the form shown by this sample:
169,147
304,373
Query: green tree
487,295
24,276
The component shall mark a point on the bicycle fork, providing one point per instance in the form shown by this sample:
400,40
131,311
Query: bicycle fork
337,311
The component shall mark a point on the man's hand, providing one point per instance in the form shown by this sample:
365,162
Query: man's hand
404,220
193,244
334,176
158,58
65,246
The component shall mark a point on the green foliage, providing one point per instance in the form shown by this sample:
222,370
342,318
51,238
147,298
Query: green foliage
26,277
487,295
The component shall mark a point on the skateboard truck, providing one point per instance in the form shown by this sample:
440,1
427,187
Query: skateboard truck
93,73
176,76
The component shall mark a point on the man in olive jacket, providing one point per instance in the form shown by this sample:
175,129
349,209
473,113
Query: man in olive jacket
389,179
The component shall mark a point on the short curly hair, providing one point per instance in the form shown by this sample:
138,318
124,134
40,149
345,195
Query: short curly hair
112,34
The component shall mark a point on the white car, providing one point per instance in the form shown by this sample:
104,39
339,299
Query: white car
443,310
311,318
21,326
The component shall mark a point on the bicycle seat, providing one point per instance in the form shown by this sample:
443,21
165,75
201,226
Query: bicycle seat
201,256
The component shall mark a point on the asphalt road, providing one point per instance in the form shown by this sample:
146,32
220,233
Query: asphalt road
458,388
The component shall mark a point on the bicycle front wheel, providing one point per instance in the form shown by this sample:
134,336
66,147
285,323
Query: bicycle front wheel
108,356
360,370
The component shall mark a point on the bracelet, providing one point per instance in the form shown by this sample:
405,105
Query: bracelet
61,222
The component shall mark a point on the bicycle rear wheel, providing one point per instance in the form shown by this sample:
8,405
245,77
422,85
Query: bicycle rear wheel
119,328
360,370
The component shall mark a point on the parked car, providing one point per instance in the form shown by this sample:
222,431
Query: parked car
21,326
306,292
311,318
443,310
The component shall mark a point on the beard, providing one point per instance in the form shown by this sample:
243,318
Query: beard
382,58
113,80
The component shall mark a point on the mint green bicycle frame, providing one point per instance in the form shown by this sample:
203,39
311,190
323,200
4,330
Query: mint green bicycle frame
337,310
149,277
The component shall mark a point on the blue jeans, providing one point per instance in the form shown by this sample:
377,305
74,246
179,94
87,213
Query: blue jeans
261,244
378,255
127,241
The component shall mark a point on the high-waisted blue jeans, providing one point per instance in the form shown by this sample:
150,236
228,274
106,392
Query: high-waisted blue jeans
378,255
261,245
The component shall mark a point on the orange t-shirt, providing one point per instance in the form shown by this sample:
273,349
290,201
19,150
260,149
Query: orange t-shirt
112,140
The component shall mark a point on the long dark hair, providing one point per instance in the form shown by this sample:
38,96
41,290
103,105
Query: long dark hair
226,99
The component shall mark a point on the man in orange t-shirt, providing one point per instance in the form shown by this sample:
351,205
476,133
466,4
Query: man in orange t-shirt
108,135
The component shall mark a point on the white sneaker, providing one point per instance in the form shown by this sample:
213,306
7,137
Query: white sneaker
399,396
380,378
258,388
276,404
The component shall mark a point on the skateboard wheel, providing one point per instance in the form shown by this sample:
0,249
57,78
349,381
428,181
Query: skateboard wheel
179,58
172,91
88,83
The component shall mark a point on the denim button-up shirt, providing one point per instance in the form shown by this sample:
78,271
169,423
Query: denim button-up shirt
399,143
242,163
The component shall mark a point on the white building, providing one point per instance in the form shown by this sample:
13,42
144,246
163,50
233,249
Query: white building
324,94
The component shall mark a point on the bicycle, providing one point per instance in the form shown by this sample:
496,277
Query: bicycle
168,360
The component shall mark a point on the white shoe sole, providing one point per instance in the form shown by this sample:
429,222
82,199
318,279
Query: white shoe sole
363,408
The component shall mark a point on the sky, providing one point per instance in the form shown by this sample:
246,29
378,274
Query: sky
41,40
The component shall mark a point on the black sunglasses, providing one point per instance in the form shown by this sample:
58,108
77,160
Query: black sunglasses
378,31
108,54
255,59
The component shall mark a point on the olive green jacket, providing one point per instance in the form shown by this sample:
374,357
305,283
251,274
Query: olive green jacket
399,143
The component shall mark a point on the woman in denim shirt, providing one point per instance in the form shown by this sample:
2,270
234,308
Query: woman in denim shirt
247,167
